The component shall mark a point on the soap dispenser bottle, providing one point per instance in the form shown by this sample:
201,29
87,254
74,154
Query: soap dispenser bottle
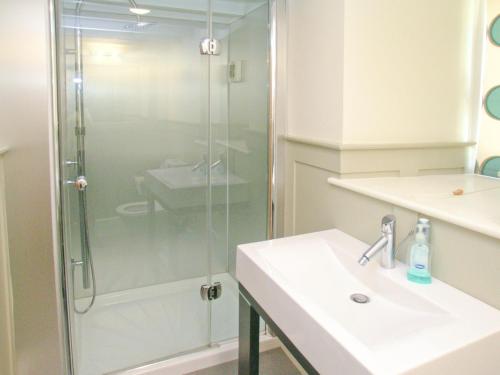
419,255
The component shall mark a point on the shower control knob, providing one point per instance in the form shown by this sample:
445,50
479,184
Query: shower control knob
70,163
81,183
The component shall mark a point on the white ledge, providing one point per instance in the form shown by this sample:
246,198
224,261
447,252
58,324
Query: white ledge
376,146
3,150
476,209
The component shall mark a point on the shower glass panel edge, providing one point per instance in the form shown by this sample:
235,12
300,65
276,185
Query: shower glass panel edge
240,117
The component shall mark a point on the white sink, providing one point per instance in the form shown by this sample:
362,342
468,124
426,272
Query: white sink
304,283
181,187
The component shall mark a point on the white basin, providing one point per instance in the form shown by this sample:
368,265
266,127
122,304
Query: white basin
304,283
181,187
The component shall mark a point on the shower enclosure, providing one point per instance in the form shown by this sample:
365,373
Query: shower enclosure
165,155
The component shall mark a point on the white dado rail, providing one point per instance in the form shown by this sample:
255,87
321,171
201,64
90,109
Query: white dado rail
310,162
6,306
377,146
390,159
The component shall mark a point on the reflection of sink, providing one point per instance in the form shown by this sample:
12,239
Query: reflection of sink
181,187
304,284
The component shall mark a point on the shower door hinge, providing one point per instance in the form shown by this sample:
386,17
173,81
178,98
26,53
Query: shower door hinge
211,292
209,47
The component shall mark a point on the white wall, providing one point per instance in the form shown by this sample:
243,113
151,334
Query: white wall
25,127
315,69
489,128
384,71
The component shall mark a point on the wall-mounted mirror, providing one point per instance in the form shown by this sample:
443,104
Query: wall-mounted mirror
494,31
437,86
492,102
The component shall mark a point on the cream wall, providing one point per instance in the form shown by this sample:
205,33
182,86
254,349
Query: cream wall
489,128
383,72
25,127
408,71
315,69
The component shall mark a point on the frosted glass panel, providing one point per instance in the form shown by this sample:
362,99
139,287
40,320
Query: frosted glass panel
248,130
173,145
145,115
239,107
146,119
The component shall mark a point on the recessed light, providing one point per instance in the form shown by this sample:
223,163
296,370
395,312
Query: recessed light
140,11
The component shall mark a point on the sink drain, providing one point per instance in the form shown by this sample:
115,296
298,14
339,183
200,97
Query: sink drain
360,298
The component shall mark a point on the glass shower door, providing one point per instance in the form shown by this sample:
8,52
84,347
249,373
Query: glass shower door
239,120
135,163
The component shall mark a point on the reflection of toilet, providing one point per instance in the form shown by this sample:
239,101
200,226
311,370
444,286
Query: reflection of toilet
135,209
128,211
134,216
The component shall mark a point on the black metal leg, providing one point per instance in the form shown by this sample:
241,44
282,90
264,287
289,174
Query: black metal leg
248,359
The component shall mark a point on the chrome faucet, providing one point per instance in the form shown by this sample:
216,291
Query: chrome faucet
204,162
386,244
200,164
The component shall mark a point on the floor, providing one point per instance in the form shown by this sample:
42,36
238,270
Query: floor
272,362
128,328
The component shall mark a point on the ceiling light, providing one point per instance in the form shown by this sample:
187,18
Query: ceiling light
139,11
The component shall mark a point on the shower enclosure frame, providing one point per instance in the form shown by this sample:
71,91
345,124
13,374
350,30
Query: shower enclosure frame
276,10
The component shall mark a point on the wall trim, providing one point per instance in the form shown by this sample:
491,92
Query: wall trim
376,146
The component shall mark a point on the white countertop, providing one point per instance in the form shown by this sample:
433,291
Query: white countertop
478,209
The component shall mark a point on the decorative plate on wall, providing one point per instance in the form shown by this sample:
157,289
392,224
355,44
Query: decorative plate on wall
492,102
494,31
